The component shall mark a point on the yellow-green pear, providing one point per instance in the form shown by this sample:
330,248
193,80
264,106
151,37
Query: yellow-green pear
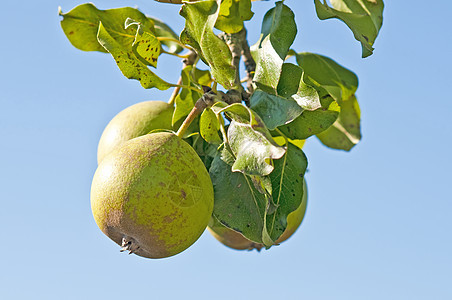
236,240
132,122
152,195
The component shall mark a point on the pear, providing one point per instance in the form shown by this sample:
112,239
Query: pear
152,195
236,240
132,122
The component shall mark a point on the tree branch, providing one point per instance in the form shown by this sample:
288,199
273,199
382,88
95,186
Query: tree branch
239,47
250,64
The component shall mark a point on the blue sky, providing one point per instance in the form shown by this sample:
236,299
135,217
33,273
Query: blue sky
379,218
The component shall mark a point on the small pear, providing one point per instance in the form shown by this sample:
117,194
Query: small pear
134,121
152,195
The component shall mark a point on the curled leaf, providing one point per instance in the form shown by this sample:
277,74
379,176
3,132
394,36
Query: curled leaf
146,46
254,151
312,122
292,84
232,15
81,25
363,17
326,74
128,63
345,133
274,110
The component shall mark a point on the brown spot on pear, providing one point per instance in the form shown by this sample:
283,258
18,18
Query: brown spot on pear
136,195
134,121
236,240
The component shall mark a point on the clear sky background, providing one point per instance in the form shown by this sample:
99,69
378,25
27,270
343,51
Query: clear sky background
379,218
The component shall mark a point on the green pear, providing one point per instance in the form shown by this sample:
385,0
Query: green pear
152,195
232,238
134,121
236,240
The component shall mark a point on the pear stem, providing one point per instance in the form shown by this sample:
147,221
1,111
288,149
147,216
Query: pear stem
175,92
206,100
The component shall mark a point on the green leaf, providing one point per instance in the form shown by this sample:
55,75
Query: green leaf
292,85
163,30
312,122
232,15
198,32
185,101
274,110
128,63
287,185
253,150
363,17
243,207
277,34
250,140
238,204
206,151
240,113
345,133
209,127
325,73
202,77
282,141
146,46
81,26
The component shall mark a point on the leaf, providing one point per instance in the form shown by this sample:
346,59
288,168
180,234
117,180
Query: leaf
163,30
325,73
209,127
345,133
312,122
146,46
202,77
128,63
239,113
287,185
254,151
363,17
81,26
277,34
206,151
232,15
274,110
282,141
250,140
292,85
185,101
238,204
198,32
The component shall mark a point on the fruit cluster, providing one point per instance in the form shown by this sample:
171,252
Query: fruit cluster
225,153
151,192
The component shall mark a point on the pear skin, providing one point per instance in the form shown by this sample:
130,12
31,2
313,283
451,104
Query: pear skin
134,121
152,195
